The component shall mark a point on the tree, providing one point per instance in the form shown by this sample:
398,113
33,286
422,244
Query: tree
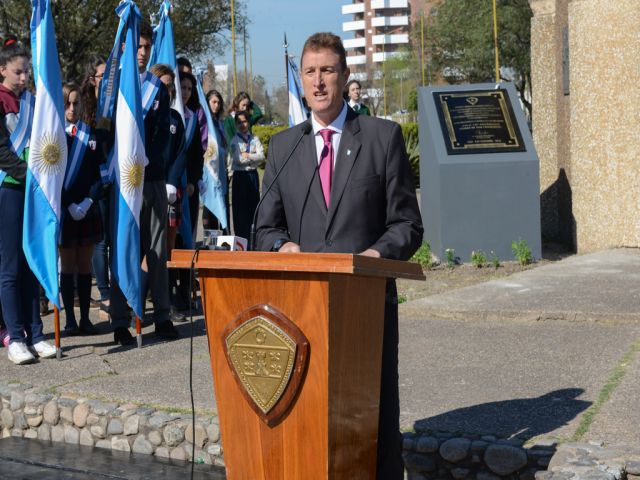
88,27
460,37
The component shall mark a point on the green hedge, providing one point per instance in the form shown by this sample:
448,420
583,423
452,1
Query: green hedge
409,131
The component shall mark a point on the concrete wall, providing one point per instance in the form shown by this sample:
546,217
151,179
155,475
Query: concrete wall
586,137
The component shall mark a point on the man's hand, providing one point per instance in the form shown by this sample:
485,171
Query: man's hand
172,193
370,252
290,247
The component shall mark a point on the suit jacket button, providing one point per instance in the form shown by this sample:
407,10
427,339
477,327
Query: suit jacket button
328,243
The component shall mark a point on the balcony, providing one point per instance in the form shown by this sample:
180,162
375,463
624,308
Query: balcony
353,26
357,60
380,4
399,21
383,56
354,43
390,39
353,8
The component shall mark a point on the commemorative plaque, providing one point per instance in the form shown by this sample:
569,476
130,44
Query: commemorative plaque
478,121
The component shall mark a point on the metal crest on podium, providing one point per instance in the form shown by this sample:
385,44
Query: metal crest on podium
268,356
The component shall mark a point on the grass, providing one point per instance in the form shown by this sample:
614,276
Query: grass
616,376
423,256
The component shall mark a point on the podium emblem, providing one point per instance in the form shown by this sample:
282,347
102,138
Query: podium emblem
268,355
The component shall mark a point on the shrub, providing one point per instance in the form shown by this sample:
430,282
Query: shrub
265,132
478,258
522,252
423,256
450,255
495,261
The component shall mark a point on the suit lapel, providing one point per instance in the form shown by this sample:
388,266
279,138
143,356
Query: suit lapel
347,154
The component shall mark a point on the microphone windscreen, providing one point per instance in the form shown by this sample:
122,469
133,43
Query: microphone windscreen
305,127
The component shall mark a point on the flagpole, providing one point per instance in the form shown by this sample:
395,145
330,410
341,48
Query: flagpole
233,48
286,60
56,332
495,40
251,70
422,46
244,43
138,332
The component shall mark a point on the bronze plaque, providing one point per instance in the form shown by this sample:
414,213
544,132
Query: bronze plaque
268,356
480,121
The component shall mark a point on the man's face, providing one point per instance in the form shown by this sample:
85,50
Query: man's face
323,81
354,92
144,52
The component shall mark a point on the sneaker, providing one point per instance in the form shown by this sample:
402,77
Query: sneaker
19,354
44,349
166,330
122,336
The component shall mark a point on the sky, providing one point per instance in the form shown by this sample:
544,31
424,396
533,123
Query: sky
271,19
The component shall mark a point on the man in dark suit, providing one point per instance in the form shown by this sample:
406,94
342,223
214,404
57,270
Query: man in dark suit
365,204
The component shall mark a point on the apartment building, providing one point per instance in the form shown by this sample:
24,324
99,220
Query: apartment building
377,30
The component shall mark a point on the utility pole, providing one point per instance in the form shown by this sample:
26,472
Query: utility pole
495,40
233,48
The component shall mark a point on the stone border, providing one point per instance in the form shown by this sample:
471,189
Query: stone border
127,428
431,456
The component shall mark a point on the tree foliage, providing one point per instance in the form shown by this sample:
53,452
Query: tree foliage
460,36
87,27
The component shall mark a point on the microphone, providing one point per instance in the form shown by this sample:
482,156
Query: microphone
305,128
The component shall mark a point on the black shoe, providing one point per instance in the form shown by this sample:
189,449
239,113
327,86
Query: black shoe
44,307
176,316
71,331
122,336
87,328
166,330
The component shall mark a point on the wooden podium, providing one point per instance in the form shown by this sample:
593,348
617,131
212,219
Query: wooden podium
295,343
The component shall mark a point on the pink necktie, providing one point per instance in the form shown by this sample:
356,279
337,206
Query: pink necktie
326,164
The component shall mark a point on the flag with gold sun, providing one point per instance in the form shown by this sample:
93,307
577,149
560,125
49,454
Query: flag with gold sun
130,160
47,155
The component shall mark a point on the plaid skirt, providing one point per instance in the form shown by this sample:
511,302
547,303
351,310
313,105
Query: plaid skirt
87,231
175,210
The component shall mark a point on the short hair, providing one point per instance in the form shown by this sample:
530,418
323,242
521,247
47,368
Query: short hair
146,31
242,113
184,62
326,40
161,69
351,82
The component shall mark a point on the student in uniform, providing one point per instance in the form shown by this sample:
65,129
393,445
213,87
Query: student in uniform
82,225
18,285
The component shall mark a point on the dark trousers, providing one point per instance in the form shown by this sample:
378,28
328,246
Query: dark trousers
19,289
390,465
245,194
100,260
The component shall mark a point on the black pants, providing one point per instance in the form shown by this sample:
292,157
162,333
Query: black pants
390,465
245,195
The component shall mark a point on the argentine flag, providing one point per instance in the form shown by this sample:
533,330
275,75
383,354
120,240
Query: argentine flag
163,50
297,111
214,174
47,156
130,160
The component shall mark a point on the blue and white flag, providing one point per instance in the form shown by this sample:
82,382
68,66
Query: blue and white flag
163,50
47,156
214,172
297,111
130,160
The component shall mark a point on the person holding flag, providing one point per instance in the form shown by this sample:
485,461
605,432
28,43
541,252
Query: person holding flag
152,222
18,286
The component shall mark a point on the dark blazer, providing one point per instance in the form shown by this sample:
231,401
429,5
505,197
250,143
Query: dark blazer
373,200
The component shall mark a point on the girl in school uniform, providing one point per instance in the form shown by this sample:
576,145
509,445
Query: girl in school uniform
81,221
18,285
